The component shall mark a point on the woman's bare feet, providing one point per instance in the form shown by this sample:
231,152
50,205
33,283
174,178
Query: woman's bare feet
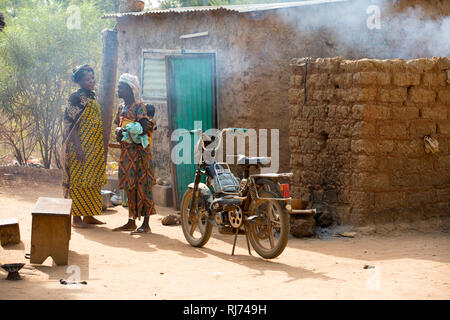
92,220
142,230
145,228
78,223
129,226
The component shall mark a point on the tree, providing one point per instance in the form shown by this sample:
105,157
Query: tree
37,55
2,21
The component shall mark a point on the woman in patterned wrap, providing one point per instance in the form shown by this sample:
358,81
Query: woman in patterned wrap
135,167
83,158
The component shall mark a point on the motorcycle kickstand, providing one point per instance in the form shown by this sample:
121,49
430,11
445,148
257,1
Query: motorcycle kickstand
246,238
234,242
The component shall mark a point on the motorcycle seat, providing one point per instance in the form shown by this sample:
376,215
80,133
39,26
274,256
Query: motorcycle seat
252,161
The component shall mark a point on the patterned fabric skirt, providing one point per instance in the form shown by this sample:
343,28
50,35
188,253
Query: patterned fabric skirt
86,179
136,178
86,201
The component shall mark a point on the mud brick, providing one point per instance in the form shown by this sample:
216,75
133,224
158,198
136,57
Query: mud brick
421,197
364,146
418,165
299,80
342,80
406,79
434,79
357,111
390,200
361,199
397,95
444,96
296,95
435,113
393,129
371,181
409,148
377,112
421,65
317,80
443,127
421,95
443,195
443,162
406,113
385,146
383,78
365,78
365,94
422,127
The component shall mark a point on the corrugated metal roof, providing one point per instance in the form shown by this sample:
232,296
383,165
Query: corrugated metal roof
242,8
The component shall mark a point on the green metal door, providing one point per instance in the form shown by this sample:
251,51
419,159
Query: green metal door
191,99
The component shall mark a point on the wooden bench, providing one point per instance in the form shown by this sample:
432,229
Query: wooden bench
51,229
9,231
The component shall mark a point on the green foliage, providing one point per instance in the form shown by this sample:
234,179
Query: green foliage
37,54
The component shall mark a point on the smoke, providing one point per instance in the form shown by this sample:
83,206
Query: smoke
411,33
372,29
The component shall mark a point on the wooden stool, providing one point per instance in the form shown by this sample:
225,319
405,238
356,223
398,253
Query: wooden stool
50,232
9,231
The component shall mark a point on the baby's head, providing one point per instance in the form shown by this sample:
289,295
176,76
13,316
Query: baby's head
151,113
150,110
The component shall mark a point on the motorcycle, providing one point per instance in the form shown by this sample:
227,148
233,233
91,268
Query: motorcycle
251,205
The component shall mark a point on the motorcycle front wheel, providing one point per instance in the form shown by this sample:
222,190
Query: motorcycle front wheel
269,228
196,228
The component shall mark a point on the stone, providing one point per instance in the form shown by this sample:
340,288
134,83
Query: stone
302,226
324,219
170,220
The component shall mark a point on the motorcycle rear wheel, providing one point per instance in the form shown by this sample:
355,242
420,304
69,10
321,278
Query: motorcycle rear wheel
269,233
197,233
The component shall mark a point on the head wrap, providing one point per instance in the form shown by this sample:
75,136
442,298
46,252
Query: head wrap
77,72
133,82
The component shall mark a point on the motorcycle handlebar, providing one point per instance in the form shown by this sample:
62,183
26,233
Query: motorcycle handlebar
198,131
232,130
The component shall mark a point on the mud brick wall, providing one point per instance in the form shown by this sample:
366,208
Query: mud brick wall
356,137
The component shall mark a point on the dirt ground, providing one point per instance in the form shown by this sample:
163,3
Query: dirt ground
161,265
